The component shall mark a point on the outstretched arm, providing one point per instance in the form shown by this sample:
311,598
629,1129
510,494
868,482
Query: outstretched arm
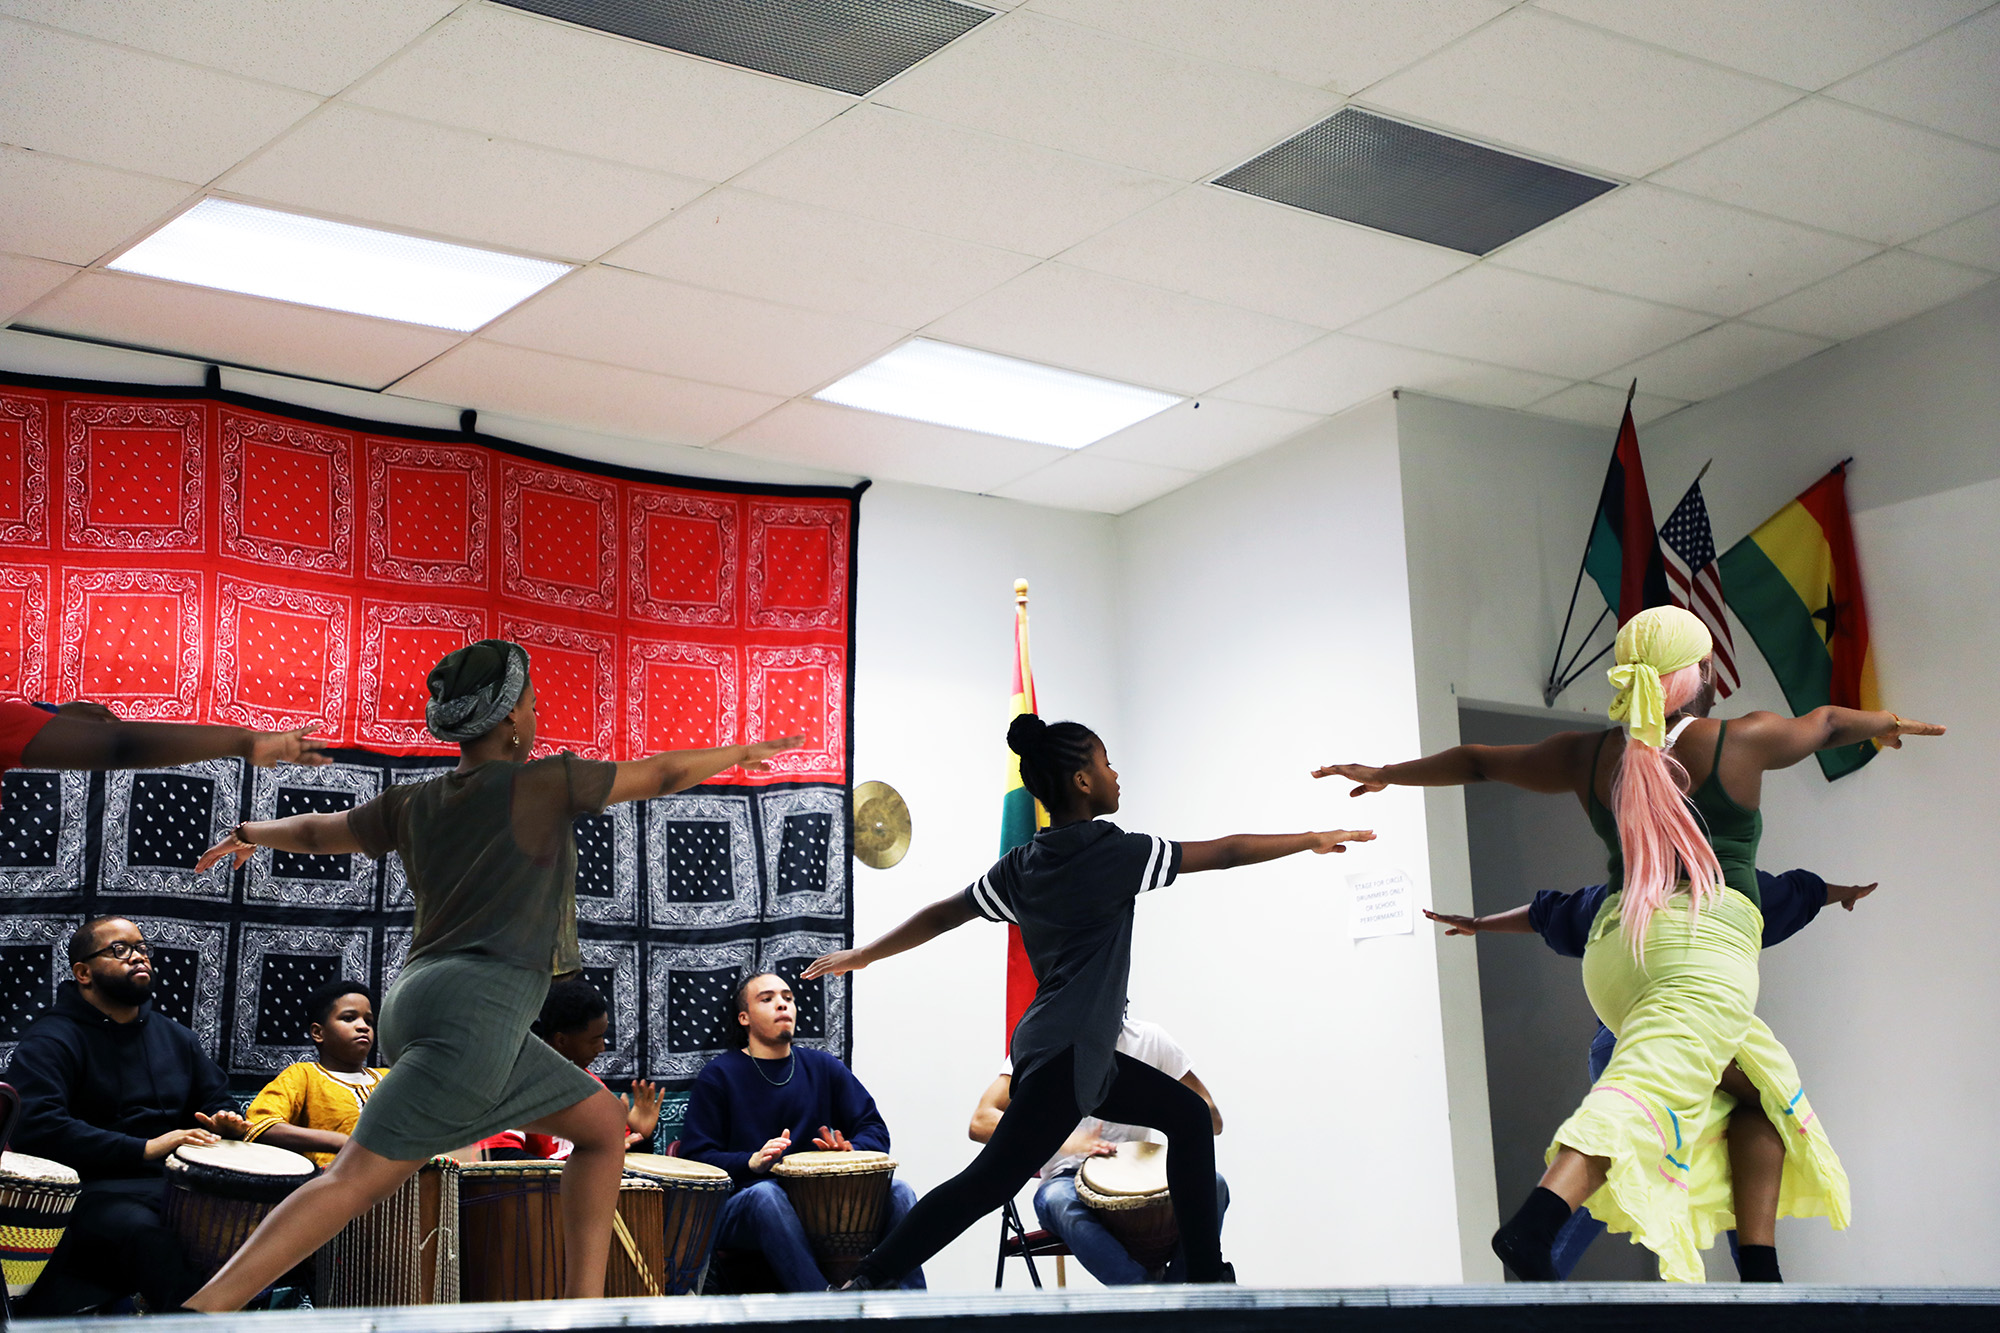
1513,921
670,771
1558,764
1780,742
1248,849
73,741
933,921
323,835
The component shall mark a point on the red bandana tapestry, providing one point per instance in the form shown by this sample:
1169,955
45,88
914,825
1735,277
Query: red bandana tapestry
199,556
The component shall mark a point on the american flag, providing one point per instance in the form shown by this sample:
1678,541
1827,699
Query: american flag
1696,585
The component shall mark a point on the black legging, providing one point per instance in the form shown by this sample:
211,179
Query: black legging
1040,1115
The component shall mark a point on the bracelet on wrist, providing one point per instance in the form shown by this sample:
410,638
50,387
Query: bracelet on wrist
240,836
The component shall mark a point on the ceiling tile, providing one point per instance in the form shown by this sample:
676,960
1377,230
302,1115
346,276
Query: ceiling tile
842,439
1342,44
1834,166
522,383
1096,485
530,78
1681,250
1717,360
628,319
1602,405
1083,321
242,330
25,280
355,163
893,167
127,109
1339,371
1951,82
1806,43
1203,434
1885,290
1084,91
782,251
1495,315
1229,247
74,211
321,47
1577,94
1973,241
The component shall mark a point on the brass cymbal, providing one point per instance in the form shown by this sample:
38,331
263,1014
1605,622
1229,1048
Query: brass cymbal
881,825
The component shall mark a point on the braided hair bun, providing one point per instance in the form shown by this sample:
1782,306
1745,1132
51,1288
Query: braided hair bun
1027,733
1050,752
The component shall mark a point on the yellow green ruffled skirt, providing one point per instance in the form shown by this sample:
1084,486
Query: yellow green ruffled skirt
1682,1012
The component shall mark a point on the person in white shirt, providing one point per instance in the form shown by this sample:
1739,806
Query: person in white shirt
1056,1206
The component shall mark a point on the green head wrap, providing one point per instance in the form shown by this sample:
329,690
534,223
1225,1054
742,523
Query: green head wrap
473,689
1657,642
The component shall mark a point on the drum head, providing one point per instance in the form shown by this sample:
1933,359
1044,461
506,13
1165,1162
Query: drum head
832,1163
1137,1169
20,1166
672,1168
253,1172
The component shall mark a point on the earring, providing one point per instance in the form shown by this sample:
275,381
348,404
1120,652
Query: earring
514,741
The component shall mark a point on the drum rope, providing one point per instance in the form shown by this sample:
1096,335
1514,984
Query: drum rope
631,1247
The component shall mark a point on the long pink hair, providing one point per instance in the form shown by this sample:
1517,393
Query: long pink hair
1656,825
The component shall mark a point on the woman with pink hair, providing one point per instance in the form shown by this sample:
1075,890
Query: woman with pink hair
1699,1122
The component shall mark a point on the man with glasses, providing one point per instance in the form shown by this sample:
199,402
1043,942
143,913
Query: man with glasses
110,1087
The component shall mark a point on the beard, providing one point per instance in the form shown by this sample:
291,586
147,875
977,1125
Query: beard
122,989
782,1037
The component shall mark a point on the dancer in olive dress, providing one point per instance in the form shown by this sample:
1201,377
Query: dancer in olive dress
491,856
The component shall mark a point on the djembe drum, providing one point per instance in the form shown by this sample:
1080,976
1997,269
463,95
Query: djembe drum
403,1251
692,1197
1127,1194
217,1193
841,1198
35,1198
510,1232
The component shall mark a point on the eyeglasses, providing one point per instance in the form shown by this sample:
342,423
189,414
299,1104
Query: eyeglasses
121,949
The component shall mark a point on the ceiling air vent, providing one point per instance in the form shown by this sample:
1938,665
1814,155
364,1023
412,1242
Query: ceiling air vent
1394,177
850,46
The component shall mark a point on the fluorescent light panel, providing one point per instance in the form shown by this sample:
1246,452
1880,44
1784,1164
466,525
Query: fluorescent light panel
936,382
337,266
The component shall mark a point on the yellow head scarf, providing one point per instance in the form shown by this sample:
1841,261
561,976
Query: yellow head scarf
1657,642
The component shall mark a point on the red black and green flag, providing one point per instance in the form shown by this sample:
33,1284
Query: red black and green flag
1795,583
1623,557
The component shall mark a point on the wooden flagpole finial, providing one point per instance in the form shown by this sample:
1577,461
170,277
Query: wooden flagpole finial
1021,591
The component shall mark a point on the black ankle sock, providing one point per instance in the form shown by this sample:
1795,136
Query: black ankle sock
1525,1243
1758,1263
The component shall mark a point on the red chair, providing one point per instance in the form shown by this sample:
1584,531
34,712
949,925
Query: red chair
1017,1242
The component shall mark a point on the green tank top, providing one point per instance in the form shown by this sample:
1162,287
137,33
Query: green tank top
1732,831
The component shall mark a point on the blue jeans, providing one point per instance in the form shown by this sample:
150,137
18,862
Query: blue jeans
1059,1210
760,1217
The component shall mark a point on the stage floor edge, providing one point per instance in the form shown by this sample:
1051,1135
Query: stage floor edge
1606,1306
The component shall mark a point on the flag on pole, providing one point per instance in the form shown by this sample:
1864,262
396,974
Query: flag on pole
1020,813
1795,583
1696,583
1623,556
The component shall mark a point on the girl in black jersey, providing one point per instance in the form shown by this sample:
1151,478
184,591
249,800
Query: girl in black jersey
1071,891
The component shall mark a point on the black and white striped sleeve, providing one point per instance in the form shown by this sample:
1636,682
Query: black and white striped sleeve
1162,863
989,899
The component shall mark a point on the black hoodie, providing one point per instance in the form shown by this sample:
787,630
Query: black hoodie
94,1090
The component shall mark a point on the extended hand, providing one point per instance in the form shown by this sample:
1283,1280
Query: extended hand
832,1140
157,1148
1369,777
757,753
287,747
229,846
1454,925
1331,840
1905,726
760,1161
225,1124
1848,894
838,963
642,1108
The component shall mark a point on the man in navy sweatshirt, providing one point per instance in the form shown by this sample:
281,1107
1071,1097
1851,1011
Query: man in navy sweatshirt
769,1097
111,1088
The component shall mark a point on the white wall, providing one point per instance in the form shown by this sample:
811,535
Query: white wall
1264,628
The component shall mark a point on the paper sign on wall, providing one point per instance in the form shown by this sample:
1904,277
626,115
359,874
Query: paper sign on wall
1383,904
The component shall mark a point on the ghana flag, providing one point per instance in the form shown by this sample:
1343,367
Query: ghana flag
1796,586
1623,556
1020,813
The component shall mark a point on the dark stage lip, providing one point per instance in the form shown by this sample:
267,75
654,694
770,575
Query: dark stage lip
1606,1306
